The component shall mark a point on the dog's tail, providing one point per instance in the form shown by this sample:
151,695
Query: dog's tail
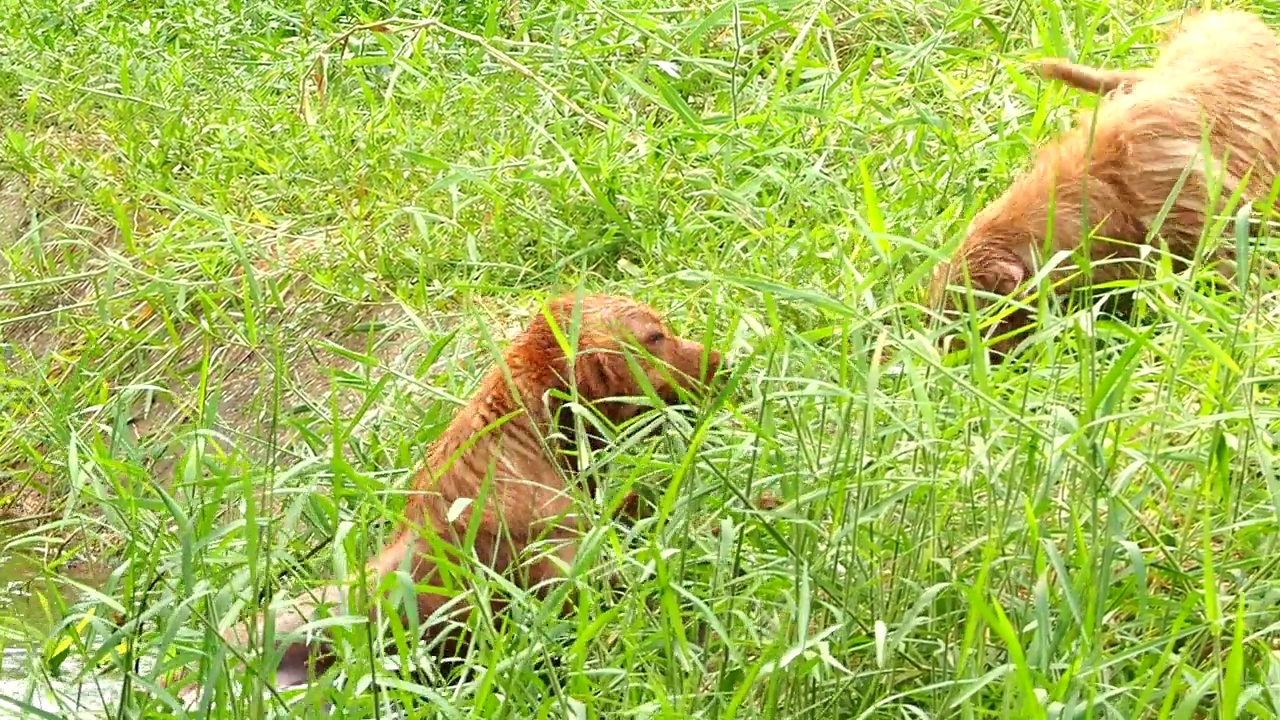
1089,79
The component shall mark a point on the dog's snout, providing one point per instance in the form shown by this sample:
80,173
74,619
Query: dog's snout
717,366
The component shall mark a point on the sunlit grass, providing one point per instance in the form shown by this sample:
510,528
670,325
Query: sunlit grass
246,280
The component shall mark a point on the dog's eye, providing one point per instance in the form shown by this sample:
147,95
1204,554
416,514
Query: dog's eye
654,337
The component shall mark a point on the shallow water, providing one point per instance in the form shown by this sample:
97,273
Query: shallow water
18,694
26,688
24,623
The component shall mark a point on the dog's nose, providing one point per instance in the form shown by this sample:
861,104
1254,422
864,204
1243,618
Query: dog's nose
716,365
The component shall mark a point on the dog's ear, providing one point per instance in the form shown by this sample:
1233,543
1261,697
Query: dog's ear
603,373
999,275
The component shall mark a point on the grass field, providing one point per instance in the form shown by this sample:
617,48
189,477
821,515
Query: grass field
247,272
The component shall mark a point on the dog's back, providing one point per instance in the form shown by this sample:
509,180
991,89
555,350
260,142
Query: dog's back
1218,45
1226,63
1216,82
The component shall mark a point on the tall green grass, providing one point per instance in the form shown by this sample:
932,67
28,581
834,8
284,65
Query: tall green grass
248,274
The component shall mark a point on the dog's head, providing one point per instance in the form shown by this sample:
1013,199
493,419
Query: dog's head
992,270
622,346
1078,187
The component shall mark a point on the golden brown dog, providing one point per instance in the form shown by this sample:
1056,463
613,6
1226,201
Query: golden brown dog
499,464
1216,84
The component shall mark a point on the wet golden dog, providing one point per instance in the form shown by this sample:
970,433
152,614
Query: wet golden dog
1215,85
500,465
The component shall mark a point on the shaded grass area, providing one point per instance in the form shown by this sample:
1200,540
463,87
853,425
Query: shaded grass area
246,275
